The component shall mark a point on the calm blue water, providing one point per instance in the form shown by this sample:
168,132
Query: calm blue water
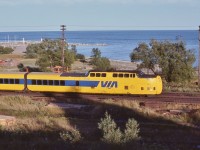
119,44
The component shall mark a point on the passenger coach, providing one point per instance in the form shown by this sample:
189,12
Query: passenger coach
12,81
94,82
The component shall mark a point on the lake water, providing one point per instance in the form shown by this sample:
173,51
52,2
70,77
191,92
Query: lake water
116,45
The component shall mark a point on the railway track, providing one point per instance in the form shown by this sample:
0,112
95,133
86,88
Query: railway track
183,98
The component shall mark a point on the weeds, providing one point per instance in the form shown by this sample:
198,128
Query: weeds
72,136
32,115
113,135
132,130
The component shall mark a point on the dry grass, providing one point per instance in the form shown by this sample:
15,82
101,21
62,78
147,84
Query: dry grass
28,62
185,118
133,105
11,56
32,115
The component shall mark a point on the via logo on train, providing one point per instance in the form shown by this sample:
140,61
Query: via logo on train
109,84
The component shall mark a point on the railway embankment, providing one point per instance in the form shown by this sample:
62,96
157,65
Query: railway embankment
38,126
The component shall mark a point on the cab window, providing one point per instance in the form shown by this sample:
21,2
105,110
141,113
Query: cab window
126,75
92,74
98,74
103,74
115,75
121,75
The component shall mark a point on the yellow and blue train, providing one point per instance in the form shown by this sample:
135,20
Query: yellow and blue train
93,82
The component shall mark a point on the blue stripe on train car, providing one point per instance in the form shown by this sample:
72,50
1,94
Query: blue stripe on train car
21,81
89,83
74,83
81,83
70,83
29,82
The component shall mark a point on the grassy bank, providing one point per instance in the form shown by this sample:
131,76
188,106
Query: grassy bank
40,127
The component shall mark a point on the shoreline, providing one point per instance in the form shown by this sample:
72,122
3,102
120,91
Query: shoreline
20,48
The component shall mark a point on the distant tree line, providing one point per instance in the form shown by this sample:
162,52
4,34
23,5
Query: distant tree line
6,50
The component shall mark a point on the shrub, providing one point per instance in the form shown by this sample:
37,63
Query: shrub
102,64
111,134
132,130
80,56
73,136
6,50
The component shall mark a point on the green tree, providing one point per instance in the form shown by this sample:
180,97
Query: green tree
96,53
48,54
173,58
100,63
73,48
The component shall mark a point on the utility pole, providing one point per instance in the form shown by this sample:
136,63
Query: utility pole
63,28
199,61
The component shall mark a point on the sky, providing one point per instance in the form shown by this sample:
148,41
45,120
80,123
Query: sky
48,15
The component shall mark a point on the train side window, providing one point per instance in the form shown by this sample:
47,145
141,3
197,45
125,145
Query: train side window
5,81
98,74
77,83
103,74
1,81
56,82
154,88
126,75
115,75
16,81
121,75
132,75
12,81
62,83
39,82
50,82
34,82
45,82
92,74
142,88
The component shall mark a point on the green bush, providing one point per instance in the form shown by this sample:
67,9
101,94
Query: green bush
132,130
73,136
113,135
6,50
80,56
102,64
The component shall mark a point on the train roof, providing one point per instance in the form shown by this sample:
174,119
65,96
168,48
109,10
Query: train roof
139,73
122,71
12,73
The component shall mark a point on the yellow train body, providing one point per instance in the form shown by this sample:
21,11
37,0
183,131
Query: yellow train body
125,82
117,82
12,81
